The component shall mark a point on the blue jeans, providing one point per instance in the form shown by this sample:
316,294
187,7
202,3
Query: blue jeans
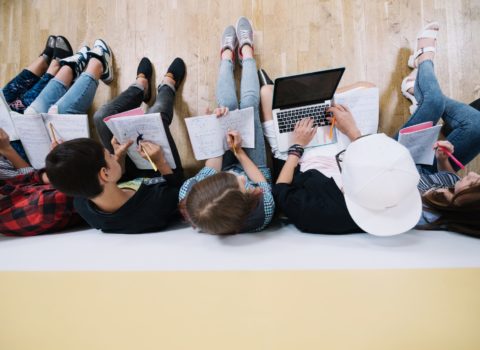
76,100
462,122
249,97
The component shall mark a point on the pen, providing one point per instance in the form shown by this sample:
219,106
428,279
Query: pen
149,159
234,148
53,133
455,160
330,136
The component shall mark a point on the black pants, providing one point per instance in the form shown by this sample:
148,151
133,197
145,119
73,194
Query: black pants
130,99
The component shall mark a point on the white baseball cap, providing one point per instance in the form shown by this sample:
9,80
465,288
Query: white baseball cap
380,185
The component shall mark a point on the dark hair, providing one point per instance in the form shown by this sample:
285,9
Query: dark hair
460,214
73,166
217,205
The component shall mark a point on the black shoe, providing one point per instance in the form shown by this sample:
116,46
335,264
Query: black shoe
63,49
176,71
263,78
146,69
49,48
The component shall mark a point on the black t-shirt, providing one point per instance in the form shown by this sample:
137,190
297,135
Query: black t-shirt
150,209
315,204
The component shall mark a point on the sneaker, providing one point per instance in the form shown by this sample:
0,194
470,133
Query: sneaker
229,40
49,48
102,52
176,71
145,67
77,62
62,48
244,35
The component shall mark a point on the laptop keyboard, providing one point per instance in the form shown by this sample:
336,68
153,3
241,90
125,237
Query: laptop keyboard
288,119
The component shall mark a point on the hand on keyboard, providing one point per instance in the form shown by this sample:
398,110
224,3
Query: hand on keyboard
304,132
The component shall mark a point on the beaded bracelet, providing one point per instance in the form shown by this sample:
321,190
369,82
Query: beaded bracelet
296,150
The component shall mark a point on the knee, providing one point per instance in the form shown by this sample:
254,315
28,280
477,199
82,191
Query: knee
250,100
99,116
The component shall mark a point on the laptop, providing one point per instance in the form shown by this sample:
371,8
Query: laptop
304,95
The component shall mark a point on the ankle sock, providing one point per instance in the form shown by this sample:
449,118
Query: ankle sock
176,71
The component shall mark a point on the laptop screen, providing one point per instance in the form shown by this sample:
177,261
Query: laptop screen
306,89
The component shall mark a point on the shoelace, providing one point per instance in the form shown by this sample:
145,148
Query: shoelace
244,35
229,40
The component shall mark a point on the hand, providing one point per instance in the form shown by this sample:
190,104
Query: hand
344,121
120,150
304,132
4,141
153,150
439,153
55,144
219,112
234,140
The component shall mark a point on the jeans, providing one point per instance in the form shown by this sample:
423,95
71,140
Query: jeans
76,100
249,97
130,99
462,122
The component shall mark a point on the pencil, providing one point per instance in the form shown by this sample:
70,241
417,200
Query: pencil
455,160
330,136
53,133
149,159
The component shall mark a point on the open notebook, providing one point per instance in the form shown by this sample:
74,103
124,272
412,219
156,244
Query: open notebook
36,135
419,139
207,132
135,125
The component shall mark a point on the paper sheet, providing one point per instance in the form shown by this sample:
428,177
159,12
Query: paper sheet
150,127
420,144
34,137
67,127
207,133
364,104
6,120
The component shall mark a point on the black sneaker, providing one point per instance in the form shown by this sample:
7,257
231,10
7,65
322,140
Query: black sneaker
49,48
145,68
77,62
62,49
263,78
176,71
102,52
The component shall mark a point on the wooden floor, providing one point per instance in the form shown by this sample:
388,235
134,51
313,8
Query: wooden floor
372,39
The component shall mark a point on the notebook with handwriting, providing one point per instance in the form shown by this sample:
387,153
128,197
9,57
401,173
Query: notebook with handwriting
207,133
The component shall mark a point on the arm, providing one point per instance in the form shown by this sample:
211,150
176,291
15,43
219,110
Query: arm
155,153
234,141
120,151
302,135
9,152
443,164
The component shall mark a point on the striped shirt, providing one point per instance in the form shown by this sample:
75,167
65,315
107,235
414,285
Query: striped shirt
8,171
442,179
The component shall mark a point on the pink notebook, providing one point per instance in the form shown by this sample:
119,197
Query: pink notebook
417,127
135,111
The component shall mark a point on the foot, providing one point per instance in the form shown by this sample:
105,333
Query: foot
176,71
102,52
77,62
263,78
244,35
425,46
229,42
62,48
47,53
145,70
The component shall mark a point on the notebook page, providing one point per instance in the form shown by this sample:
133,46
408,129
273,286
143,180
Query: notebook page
34,137
240,120
6,120
148,127
206,136
420,144
67,126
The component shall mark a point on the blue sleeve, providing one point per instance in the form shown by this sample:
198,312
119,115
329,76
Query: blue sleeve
187,185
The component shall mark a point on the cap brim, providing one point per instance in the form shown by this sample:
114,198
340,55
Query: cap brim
389,222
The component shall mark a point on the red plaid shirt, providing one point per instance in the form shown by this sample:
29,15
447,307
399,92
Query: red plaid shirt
30,207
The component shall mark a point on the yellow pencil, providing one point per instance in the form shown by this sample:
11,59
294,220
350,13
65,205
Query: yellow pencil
53,133
149,159
330,136
234,148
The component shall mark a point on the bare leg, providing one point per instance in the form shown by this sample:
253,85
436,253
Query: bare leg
95,68
38,66
266,98
53,68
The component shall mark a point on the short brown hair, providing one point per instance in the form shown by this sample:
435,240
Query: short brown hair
217,205
459,214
